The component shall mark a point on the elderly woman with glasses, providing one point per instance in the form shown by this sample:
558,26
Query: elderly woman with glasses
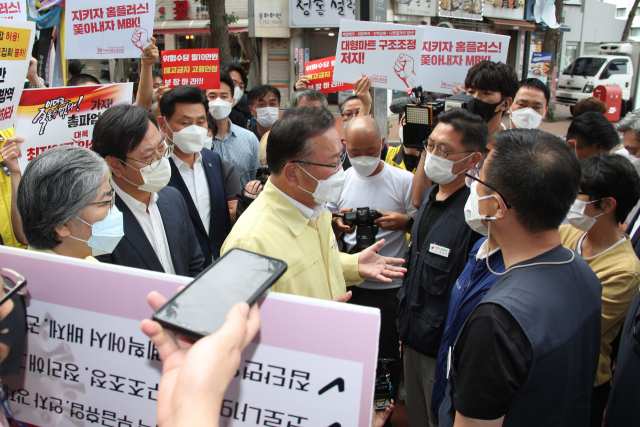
66,204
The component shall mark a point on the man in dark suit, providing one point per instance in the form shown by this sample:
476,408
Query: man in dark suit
633,230
196,172
158,232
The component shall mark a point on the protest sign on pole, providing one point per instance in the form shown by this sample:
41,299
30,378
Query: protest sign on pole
448,54
16,41
63,116
88,362
320,76
108,29
387,53
13,9
200,67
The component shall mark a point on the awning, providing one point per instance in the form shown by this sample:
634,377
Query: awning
513,24
195,27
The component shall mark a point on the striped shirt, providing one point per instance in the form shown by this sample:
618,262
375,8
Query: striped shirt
239,147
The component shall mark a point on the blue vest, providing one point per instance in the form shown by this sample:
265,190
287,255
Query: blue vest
559,309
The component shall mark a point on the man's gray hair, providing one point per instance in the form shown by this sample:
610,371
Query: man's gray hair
55,187
311,94
630,122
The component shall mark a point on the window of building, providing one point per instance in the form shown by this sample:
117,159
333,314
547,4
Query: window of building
621,12
635,32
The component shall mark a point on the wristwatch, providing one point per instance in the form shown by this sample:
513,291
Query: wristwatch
409,223
41,84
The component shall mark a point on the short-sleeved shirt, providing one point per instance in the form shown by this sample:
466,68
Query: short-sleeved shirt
231,182
239,147
388,191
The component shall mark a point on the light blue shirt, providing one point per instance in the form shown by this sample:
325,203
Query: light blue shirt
239,147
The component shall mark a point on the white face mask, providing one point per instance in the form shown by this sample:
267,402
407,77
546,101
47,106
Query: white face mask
105,234
328,190
208,143
472,211
439,170
156,179
577,217
219,108
363,165
525,118
237,95
401,134
189,140
267,116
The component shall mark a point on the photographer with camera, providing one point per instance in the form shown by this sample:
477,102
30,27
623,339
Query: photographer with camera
387,191
494,86
440,243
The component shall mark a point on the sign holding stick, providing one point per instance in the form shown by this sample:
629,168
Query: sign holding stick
108,29
320,76
200,67
389,54
63,116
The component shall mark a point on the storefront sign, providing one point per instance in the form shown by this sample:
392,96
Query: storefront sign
320,76
200,67
448,54
88,362
539,66
180,10
16,39
387,53
320,13
301,62
506,9
461,9
115,29
63,116
415,7
16,9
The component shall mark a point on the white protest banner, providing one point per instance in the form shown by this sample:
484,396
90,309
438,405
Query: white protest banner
14,9
63,116
108,29
16,40
387,53
88,362
448,54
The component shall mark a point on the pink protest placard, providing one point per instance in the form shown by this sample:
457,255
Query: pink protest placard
87,359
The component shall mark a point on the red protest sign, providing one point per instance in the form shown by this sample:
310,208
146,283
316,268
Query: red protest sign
320,76
200,67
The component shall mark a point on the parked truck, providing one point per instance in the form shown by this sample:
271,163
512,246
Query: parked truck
616,65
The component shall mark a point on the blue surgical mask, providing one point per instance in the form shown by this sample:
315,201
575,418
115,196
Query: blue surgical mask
105,234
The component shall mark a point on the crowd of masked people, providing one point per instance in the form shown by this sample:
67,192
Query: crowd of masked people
505,266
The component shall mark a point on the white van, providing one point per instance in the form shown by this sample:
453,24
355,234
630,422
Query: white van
614,67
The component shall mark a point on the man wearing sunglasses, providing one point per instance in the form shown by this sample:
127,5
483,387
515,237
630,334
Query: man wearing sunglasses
288,220
438,252
159,234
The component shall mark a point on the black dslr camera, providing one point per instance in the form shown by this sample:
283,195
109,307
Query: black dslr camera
262,174
366,230
421,117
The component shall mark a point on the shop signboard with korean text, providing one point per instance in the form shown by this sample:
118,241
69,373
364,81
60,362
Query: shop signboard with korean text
88,363
108,29
447,55
507,9
199,67
416,7
461,9
320,76
16,40
320,13
389,54
13,9
63,116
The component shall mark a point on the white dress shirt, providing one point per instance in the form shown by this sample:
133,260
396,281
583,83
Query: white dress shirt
198,186
151,224
306,212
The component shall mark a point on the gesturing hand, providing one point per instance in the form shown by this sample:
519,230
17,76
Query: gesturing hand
392,221
302,83
196,376
151,53
374,266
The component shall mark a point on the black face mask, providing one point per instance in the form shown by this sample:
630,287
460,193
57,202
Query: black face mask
484,109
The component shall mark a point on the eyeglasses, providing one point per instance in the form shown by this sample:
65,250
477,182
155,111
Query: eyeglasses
11,279
109,202
336,166
440,150
473,175
349,115
164,152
